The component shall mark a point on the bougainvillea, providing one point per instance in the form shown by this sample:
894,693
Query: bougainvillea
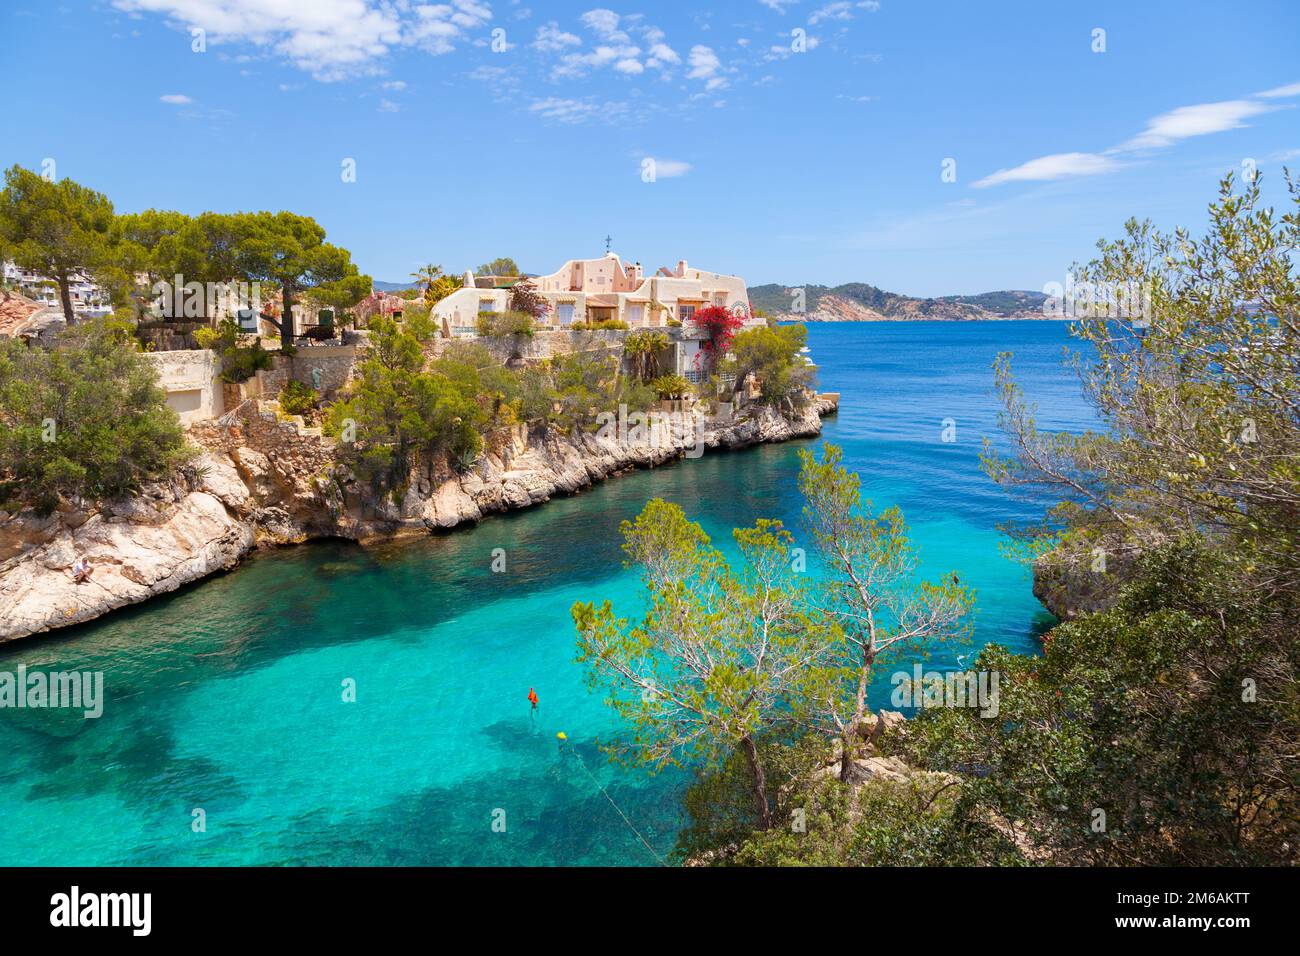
721,324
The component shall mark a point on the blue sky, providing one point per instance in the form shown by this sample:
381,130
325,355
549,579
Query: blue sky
822,165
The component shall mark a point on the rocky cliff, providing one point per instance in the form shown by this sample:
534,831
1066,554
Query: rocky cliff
1072,580
262,481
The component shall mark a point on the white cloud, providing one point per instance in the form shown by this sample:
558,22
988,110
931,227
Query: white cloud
176,99
662,56
1056,166
388,106
705,65
331,39
1161,131
841,10
396,85
1291,89
550,38
577,64
778,5
604,23
1187,121
614,47
575,111
832,11
670,168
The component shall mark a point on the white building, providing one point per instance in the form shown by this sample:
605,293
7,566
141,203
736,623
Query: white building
88,299
597,290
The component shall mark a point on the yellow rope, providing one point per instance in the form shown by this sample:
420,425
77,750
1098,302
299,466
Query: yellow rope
583,764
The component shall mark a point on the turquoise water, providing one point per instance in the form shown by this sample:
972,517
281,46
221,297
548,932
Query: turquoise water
228,696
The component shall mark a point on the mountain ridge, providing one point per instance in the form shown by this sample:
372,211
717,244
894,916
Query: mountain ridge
862,302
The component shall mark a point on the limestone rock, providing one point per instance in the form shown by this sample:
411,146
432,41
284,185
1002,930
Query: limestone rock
260,481
133,556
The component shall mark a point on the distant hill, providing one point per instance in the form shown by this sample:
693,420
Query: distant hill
859,302
392,286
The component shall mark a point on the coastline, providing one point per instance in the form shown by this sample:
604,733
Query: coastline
261,482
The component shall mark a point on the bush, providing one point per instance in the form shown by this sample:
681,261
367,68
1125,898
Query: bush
772,356
418,320
501,324
721,325
525,298
602,325
86,418
297,398
404,412
238,363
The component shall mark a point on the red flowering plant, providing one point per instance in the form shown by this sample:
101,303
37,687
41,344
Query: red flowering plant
721,324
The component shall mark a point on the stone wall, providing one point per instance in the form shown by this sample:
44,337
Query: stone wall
546,344
192,380
334,362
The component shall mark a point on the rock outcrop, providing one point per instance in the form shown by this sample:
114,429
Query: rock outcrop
137,548
263,481
1071,581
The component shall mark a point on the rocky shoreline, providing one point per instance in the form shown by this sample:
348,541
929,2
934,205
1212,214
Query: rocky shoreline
262,481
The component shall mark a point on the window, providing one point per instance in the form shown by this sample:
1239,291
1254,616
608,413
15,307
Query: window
487,305
634,315
686,312
564,313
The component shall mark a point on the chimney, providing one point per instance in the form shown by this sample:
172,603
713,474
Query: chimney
681,268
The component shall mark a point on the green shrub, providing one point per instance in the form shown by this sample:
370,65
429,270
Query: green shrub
85,418
772,356
417,320
239,363
297,398
501,324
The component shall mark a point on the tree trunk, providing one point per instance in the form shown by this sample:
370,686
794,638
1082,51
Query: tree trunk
847,750
850,739
65,298
761,807
286,319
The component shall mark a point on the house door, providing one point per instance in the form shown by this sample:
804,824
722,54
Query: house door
634,315
564,313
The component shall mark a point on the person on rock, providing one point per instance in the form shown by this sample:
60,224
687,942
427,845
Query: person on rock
81,570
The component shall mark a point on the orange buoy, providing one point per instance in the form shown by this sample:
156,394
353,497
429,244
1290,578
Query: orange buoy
532,697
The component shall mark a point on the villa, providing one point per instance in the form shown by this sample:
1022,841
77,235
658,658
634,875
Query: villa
599,290
88,299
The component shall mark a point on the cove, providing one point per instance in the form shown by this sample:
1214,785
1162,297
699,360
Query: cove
227,695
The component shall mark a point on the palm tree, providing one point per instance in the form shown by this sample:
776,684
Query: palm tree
643,348
427,275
